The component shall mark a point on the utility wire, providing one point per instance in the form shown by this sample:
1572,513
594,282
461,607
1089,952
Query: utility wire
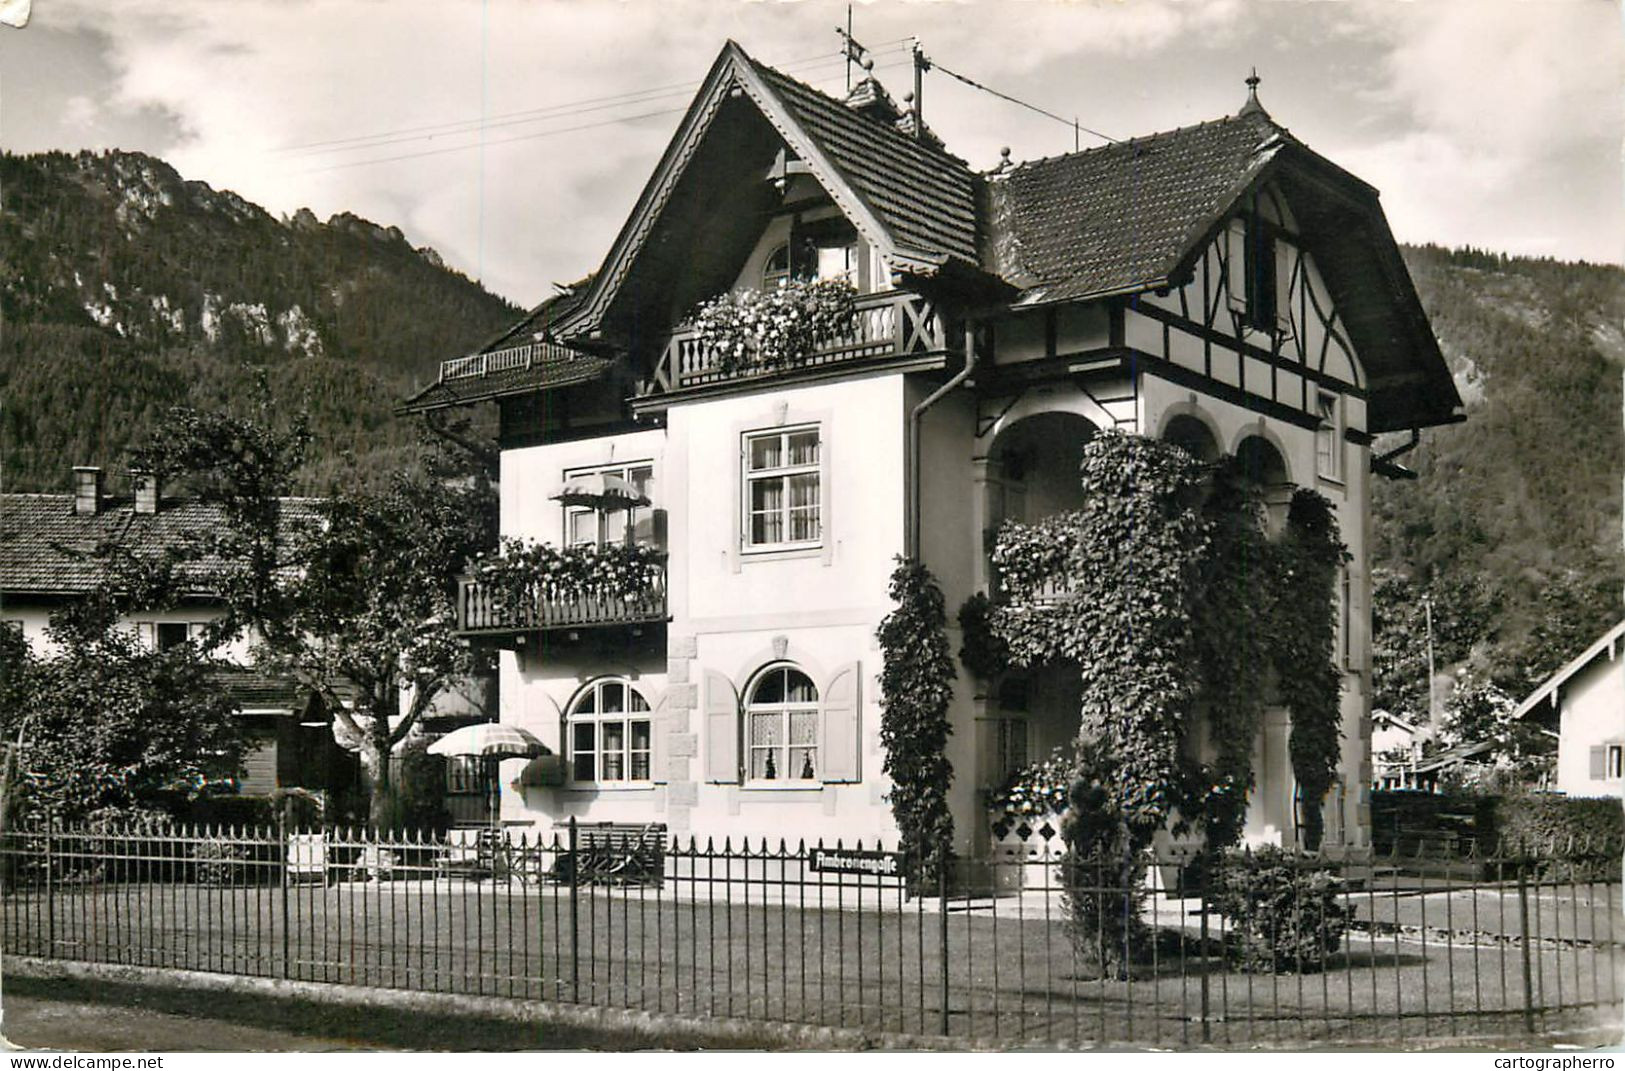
521,137
567,108
935,66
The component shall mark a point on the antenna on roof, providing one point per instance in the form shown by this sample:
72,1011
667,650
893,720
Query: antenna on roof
850,47
921,65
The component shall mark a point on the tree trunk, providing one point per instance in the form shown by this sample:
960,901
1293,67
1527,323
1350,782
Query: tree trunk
375,759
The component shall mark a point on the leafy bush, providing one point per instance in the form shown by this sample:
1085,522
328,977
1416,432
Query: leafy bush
218,861
1558,837
1103,871
1283,911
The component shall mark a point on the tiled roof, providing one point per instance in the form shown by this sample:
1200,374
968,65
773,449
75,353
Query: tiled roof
46,548
1122,216
549,373
252,689
925,197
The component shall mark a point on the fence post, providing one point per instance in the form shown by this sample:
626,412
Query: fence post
1204,876
1523,930
50,884
942,927
575,932
282,840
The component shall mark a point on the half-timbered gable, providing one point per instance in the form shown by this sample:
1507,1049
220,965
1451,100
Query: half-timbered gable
1221,286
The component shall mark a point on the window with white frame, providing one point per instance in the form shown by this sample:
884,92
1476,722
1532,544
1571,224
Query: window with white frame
783,496
610,734
777,268
781,727
1328,436
583,524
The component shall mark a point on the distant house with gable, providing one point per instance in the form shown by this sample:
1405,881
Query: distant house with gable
1585,702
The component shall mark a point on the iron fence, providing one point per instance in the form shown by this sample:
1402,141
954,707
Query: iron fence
1028,947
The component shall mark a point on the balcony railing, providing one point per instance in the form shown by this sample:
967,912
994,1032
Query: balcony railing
481,611
484,364
896,323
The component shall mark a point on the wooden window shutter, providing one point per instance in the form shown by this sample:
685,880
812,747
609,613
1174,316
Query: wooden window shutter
1235,258
841,744
659,756
1599,763
147,632
721,729
1284,260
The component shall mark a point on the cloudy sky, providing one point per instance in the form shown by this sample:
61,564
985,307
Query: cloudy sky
514,136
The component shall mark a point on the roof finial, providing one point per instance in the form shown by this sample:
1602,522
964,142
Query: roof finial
1252,104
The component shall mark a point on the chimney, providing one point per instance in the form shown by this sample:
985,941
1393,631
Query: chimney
87,489
147,490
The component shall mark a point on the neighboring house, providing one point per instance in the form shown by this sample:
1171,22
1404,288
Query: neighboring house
1585,700
1396,750
1221,286
49,556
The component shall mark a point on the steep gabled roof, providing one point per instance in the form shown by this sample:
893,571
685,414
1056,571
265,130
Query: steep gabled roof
915,203
46,548
1122,217
924,197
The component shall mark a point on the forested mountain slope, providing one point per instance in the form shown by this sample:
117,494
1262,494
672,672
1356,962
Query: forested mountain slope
1513,524
126,289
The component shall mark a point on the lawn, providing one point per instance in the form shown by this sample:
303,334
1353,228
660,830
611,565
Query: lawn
1419,965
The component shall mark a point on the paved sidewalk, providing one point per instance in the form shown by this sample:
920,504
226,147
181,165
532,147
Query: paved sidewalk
93,1015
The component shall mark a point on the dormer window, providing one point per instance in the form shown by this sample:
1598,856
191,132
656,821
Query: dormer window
777,268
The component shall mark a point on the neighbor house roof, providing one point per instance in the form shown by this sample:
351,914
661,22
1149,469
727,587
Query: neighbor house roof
1609,644
47,548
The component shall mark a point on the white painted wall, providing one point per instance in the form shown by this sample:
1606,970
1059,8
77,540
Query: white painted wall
1593,715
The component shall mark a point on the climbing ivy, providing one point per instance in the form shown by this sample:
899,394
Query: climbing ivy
1166,592
983,652
1303,637
916,687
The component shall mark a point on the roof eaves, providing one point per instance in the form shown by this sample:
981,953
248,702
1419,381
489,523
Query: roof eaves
1561,677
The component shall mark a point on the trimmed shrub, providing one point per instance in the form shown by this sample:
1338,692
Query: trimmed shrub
218,862
1283,911
1559,837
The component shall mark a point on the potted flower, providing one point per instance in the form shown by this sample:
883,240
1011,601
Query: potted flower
1026,815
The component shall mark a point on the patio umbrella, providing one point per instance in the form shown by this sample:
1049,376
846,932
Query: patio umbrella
601,491
490,741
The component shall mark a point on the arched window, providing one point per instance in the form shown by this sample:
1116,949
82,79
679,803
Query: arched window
777,268
610,734
781,726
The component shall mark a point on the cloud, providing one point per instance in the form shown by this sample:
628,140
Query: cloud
1459,112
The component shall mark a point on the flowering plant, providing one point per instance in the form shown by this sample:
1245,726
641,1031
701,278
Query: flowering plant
751,329
1039,788
518,571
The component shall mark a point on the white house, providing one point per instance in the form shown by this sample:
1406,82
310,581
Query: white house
1586,701
1219,285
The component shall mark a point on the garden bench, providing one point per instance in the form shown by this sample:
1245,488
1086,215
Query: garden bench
615,853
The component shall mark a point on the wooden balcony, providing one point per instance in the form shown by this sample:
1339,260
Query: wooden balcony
481,613
892,324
